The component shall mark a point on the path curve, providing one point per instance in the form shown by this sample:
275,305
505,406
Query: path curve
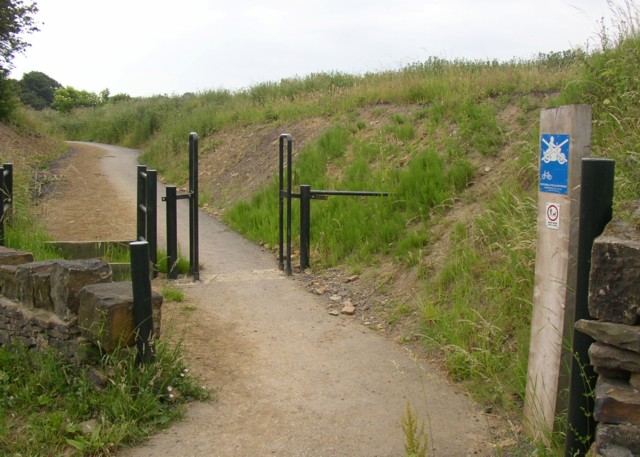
292,380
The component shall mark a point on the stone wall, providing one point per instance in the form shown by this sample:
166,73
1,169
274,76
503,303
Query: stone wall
614,304
70,305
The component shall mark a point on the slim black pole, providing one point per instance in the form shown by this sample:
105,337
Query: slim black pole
152,222
193,206
305,224
596,201
289,160
141,177
8,185
172,233
3,200
142,308
281,204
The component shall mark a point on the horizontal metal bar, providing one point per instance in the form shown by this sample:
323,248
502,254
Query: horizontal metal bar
183,196
352,193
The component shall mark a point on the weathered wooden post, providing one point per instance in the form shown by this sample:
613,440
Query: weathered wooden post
565,137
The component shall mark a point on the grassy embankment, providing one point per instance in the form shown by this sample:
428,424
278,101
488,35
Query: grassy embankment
457,143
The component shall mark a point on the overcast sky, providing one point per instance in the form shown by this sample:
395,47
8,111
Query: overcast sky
147,47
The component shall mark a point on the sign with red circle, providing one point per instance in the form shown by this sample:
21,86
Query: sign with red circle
553,216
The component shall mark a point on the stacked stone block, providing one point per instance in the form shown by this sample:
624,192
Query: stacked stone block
614,303
71,305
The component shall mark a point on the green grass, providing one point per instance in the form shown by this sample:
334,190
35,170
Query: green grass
172,294
183,264
44,400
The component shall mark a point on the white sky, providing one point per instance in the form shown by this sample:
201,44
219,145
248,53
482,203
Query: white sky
147,47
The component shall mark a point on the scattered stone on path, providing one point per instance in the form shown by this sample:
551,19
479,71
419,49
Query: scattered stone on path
334,312
320,290
335,298
348,308
352,278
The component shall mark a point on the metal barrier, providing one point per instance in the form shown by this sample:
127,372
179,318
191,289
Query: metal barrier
146,210
142,306
6,197
172,215
306,195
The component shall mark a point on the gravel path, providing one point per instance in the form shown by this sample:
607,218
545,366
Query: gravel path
291,380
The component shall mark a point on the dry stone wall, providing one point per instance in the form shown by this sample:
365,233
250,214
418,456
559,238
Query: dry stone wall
70,305
614,304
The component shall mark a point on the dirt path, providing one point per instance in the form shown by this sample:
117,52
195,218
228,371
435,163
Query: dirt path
291,380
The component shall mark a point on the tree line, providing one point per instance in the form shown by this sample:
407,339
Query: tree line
35,89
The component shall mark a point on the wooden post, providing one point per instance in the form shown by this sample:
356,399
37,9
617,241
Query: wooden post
565,138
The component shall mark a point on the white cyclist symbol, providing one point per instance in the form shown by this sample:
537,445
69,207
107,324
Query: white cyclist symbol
554,151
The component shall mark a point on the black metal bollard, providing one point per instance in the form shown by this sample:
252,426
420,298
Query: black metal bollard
194,262
172,233
8,188
305,224
596,204
282,194
3,200
152,218
6,198
141,209
146,211
142,308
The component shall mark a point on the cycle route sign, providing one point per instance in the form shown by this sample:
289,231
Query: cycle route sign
554,163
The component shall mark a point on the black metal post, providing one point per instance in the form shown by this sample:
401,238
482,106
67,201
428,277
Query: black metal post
3,199
152,222
596,202
289,160
8,186
141,223
172,233
281,195
305,224
193,206
283,137
142,307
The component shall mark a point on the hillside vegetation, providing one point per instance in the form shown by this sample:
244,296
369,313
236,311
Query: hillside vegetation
456,142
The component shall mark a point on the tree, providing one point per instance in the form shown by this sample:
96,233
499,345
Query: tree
37,89
67,98
16,18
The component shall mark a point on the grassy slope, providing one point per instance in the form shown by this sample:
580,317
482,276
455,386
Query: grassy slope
458,144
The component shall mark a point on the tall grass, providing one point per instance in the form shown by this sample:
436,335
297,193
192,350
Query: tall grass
44,400
357,227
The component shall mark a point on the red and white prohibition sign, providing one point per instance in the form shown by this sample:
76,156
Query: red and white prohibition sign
553,216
